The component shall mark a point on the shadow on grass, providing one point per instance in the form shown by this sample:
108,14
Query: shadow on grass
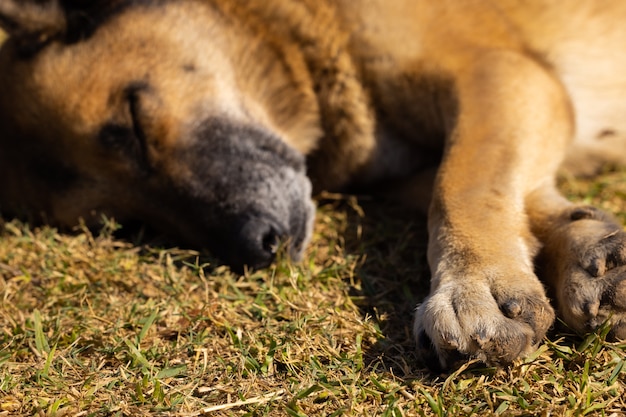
393,277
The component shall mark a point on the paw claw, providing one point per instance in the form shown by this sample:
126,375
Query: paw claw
596,268
511,309
495,327
481,338
451,342
589,258
591,308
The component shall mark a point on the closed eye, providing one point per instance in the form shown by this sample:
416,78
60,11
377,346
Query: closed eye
133,97
128,139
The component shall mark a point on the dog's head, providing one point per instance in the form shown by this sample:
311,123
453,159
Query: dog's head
177,113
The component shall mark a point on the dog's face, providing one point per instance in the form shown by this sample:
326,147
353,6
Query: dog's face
156,115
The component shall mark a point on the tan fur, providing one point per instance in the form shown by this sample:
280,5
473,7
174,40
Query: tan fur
472,106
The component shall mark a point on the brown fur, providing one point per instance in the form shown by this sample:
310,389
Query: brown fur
471,106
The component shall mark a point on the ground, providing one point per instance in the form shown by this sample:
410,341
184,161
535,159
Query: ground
91,324
95,325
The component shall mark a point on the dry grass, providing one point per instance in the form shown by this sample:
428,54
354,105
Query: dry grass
92,325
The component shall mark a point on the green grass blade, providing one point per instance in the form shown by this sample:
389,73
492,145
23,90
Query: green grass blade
41,342
149,321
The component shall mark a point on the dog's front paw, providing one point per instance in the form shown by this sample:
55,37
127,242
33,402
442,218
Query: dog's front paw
495,321
589,272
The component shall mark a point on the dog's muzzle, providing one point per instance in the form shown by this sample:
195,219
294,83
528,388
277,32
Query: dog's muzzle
251,193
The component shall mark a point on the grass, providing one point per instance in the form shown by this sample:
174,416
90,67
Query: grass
91,325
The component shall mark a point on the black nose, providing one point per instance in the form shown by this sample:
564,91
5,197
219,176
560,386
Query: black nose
257,243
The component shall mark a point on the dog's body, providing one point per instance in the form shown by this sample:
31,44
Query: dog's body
197,116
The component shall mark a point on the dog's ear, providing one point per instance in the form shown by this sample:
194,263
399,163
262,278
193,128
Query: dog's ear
32,19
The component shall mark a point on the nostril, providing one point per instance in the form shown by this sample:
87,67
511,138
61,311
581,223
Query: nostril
256,243
271,241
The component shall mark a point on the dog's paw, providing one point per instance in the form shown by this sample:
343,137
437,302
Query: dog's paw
591,286
493,321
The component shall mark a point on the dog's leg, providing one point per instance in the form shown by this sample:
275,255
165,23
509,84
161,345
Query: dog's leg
583,260
513,127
